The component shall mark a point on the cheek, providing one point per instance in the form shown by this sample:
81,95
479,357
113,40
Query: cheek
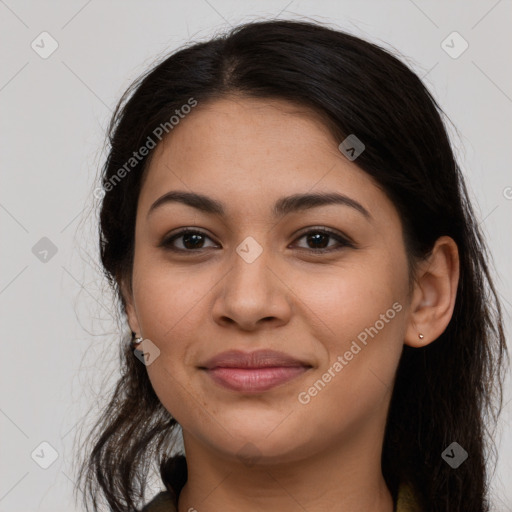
350,298
171,306
359,316
169,297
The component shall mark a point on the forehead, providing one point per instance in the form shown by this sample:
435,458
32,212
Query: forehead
231,131
247,152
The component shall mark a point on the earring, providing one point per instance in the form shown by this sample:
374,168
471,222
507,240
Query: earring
420,336
136,340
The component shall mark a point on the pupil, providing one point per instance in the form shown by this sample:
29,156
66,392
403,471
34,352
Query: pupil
316,238
186,239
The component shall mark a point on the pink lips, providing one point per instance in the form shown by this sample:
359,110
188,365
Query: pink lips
253,372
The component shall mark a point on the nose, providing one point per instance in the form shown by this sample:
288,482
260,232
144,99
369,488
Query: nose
253,293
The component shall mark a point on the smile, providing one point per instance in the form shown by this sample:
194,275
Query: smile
254,380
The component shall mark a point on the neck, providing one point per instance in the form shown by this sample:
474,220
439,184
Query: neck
347,477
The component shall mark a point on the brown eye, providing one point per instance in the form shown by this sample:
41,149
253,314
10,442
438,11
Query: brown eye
318,240
192,240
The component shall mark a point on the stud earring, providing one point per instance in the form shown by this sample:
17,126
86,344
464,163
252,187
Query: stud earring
420,336
137,340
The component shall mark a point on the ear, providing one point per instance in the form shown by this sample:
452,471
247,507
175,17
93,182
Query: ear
435,291
129,306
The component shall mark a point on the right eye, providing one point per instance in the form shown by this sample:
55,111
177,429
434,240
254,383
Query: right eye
191,241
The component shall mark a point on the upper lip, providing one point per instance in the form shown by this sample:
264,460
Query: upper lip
256,359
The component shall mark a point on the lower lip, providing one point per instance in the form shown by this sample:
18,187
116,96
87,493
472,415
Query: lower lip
254,380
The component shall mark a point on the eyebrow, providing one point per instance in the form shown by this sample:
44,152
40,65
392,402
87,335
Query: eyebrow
282,207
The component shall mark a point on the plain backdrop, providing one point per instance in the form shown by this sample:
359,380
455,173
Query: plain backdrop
60,329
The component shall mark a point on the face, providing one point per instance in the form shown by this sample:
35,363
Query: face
325,283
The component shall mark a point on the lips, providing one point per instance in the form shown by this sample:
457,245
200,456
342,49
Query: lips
256,359
253,372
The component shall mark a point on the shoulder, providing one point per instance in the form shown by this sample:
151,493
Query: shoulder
406,501
162,502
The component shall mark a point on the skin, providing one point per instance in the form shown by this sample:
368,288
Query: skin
323,455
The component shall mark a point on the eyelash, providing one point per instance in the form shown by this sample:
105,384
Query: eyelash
344,242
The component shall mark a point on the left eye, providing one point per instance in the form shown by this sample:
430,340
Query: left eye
192,241
318,237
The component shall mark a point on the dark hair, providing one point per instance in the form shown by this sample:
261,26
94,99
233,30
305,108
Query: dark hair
447,391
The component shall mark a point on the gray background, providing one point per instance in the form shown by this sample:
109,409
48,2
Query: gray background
58,323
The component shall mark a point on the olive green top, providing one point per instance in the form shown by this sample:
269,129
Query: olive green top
163,502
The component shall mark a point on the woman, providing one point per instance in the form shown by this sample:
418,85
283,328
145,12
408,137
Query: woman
305,282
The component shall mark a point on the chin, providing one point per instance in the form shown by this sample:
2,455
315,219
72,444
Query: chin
259,448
